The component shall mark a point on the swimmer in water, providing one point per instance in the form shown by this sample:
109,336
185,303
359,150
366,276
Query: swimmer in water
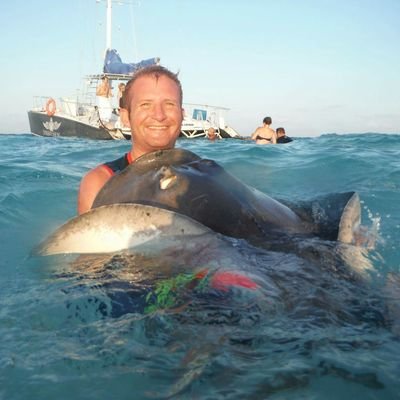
264,134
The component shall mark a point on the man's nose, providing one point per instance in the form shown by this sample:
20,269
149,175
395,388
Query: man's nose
158,111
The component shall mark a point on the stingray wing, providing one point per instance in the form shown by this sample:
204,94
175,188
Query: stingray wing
117,227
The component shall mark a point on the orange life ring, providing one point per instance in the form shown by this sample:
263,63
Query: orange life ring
50,107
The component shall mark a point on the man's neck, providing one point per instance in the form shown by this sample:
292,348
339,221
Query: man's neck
138,152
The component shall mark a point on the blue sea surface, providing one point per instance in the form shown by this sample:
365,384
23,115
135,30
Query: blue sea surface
61,338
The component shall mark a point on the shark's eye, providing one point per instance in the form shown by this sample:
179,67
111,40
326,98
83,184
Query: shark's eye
166,182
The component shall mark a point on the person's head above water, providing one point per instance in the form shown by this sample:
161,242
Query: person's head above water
267,121
211,134
152,108
280,131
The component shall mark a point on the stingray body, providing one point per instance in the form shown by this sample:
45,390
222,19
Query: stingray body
175,193
181,181
169,208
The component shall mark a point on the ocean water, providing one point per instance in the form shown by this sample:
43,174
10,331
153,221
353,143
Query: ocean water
310,331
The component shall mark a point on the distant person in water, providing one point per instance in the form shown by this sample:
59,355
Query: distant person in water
103,93
264,134
211,135
152,109
281,136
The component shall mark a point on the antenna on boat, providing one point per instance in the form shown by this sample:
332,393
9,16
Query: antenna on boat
134,33
108,26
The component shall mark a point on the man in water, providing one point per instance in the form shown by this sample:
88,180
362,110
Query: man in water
211,135
152,108
264,134
281,136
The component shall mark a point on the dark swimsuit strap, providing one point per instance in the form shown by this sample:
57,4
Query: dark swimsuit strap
262,138
119,164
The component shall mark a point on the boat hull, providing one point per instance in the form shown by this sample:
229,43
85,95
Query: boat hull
63,126
43,125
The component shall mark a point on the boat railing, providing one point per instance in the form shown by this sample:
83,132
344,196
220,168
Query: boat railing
205,107
111,77
39,102
214,115
68,106
76,107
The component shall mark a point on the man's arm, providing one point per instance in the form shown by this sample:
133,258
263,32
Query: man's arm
90,186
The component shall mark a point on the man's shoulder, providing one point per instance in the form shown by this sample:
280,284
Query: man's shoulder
118,164
285,139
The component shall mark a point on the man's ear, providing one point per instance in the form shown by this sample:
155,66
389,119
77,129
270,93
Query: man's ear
124,115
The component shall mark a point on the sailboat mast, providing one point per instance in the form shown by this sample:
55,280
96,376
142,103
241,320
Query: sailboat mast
108,26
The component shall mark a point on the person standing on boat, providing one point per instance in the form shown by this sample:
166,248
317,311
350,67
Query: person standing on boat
264,134
152,109
121,90
103,93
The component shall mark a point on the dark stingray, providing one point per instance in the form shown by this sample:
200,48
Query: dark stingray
312,287
180,181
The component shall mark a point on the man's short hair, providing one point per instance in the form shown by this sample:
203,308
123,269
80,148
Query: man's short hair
154,70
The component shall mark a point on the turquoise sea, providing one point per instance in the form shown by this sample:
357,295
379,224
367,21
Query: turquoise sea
311,332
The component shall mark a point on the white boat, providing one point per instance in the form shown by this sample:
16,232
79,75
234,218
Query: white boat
201,117
81,116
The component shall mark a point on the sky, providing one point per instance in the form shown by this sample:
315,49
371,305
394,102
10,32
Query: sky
313,66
